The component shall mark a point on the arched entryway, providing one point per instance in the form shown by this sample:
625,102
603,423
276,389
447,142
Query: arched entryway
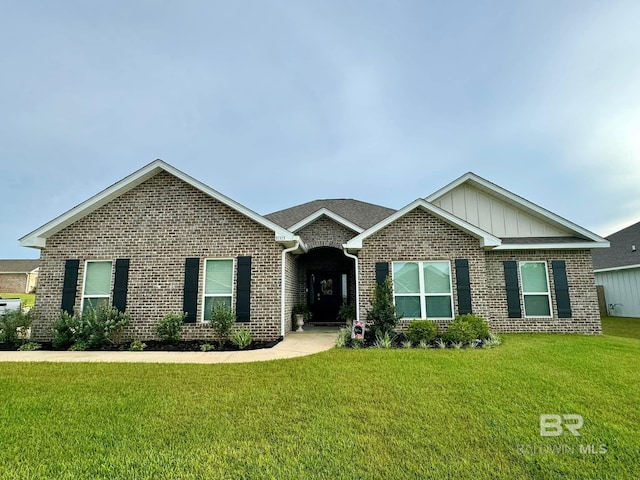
329,282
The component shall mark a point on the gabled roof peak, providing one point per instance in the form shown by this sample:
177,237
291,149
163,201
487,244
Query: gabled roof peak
38,238
520,203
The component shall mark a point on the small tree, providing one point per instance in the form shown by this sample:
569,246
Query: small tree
222,320
383,311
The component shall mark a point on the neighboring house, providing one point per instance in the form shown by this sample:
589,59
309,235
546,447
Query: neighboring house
617,269
18,276
160,241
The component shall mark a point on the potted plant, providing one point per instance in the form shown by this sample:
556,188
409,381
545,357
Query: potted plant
347,313
299,314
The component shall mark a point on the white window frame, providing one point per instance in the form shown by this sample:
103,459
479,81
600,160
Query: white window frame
216,295
422,294
547,293
84,282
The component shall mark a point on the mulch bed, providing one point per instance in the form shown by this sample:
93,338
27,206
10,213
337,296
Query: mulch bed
158,346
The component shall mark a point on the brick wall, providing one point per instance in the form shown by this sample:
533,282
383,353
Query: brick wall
584,300
325,232
156,226
13,282
422,236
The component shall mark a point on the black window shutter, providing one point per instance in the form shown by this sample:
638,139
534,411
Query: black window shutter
463,284
190,298
121,284
382,272
562,288
243,294
70,285
513,289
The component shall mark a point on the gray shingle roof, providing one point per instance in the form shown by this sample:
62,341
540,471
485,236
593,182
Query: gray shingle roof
18,266
620,253
362,214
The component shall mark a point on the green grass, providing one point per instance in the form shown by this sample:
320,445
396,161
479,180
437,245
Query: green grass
28,299
621,327
339,414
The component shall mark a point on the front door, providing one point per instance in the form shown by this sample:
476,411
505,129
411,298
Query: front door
325,296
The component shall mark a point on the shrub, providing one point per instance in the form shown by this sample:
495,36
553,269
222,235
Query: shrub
466,328
222,320
423,344
384,341
459,331
407,344
170,327
344,336
13,326
347,312
419,330
137,346
492,341
478,324
90,329
241,338
79,347
383,311
206,347
29,346
63,331
475,343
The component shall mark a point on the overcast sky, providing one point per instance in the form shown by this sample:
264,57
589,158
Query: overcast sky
276,103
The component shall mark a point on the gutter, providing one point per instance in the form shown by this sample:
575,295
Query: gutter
355,258
282,284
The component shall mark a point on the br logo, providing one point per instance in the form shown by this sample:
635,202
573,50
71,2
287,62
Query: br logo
552,425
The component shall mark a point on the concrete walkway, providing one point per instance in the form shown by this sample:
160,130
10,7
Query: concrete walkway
314,340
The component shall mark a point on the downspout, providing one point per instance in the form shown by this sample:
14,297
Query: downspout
282,282
355,258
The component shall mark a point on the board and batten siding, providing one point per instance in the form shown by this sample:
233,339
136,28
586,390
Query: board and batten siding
494,215
621,291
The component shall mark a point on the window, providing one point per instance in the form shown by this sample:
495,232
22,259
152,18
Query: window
535,289
218,284
97,284
423,289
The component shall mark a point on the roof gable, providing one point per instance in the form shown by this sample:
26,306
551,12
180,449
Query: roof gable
38,238
509,216
323,212
361,214
486,239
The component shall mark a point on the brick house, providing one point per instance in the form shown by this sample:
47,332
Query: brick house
160,241
18,276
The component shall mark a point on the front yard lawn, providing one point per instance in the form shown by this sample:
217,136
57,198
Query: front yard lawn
621,327
340,414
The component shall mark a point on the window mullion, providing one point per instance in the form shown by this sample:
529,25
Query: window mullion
423,300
